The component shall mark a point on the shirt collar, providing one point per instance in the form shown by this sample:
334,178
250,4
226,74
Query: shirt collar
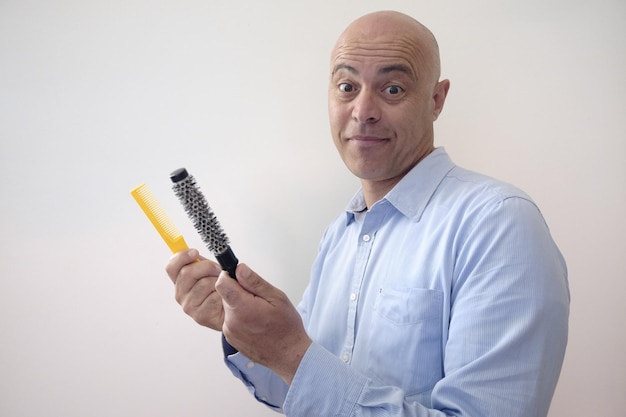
412,194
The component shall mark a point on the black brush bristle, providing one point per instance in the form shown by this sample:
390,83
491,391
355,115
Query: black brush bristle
203,218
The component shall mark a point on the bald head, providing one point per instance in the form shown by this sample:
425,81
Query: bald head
384,95
396,30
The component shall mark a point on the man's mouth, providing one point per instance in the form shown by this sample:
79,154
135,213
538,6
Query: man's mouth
367,141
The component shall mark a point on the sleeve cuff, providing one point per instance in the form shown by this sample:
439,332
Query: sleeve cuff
323,385
228,348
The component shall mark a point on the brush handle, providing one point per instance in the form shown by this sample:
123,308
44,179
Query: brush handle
228,261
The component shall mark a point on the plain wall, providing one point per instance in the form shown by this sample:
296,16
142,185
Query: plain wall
97,97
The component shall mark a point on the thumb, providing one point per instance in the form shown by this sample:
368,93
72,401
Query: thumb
252,282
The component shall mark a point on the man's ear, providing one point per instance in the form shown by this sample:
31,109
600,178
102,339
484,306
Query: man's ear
439,97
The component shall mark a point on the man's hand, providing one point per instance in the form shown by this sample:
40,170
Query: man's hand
194,278
261,322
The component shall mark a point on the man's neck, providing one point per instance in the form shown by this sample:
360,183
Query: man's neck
374,191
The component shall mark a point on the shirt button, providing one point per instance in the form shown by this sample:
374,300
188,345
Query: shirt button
345,358
353,296
366,238
250,365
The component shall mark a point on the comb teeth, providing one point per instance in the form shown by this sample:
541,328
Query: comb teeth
159,219
200,213
155,212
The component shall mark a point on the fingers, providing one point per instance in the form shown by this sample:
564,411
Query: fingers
195,293
248,283
252,282
178,261
261,322
203,304
250,297
194,278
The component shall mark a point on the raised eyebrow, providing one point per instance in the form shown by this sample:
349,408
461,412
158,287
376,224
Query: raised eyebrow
345,67
396,67
384,70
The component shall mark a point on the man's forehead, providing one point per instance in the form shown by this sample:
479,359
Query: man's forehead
379,67
382,57
387,43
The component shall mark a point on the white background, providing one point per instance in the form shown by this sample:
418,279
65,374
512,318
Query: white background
97,97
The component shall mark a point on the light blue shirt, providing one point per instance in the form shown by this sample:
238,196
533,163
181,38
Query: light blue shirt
447,297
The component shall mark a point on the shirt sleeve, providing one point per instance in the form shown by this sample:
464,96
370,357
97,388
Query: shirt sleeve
506,335
265,385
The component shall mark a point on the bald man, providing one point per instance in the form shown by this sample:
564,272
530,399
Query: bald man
439,291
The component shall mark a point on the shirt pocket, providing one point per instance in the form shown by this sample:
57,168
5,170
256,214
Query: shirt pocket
405,338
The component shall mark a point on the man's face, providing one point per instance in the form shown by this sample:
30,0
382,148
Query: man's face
381,105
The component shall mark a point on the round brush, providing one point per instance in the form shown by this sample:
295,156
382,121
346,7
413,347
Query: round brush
204,219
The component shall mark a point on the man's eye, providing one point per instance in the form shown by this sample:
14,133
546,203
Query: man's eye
346,87
394,89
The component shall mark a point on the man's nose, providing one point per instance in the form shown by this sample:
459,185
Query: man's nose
366,108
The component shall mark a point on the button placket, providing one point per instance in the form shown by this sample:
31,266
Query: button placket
364,243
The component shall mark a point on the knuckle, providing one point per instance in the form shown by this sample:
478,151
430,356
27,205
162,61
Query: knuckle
188,308
184,273
178,297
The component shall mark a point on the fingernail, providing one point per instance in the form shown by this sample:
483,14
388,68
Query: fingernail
193,253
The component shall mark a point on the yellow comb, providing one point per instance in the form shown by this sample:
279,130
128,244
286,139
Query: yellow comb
160,220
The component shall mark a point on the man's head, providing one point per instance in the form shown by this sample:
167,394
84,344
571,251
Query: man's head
384,95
